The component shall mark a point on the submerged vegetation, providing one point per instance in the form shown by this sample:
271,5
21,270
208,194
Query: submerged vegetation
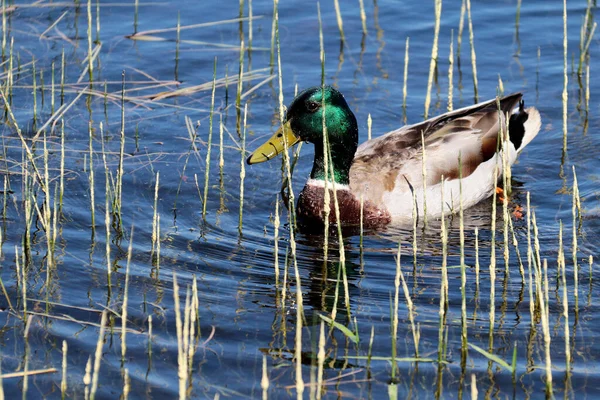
495,301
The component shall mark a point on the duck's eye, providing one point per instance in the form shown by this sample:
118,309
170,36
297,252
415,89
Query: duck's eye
313,106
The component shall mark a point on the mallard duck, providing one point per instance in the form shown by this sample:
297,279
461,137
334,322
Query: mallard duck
387,172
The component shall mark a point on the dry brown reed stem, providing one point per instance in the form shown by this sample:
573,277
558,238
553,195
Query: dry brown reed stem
565,93
98,356
434,53
22,374
473,56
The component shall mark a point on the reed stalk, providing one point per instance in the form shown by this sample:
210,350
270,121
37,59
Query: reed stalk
575,244
363,16
565,93
63,382
126,301
451,71
565,299
405,84
434,54
91,178
473,56
89,40
98,356
242,169
209,145
338,16
264,382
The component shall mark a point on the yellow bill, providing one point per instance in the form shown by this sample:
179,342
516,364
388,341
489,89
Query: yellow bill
275,145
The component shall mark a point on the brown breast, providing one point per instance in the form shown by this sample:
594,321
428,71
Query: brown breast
311,208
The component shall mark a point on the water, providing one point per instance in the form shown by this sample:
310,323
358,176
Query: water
241,316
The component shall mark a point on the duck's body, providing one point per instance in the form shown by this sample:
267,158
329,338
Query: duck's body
387,172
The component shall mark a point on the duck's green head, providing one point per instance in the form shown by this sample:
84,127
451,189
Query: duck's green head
304,122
